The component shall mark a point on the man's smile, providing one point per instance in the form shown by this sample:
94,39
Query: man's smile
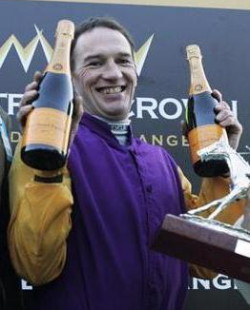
111,90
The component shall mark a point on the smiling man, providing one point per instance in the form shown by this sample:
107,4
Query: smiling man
82,234
104,73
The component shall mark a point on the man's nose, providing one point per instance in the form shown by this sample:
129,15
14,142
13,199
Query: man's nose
112,70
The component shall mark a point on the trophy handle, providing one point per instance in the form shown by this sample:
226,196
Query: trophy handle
239,175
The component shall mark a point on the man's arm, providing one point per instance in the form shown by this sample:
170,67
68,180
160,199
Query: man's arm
40,205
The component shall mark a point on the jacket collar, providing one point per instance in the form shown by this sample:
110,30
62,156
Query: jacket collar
102,129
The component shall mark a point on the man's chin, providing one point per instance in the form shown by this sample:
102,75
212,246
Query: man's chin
116,114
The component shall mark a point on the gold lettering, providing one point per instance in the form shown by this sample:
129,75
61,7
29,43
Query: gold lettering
143,138
184,141
162,140
172,140
157,140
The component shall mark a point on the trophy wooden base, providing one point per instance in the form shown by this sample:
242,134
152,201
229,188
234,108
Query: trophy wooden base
206,246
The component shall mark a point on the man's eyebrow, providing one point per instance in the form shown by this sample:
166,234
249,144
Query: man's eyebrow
124,54
100,56
93,57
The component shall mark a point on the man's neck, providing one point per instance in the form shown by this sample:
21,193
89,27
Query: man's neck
118,128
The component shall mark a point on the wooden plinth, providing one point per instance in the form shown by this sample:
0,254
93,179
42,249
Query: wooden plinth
205,246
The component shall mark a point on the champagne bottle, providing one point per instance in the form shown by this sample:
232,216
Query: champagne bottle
46,134
200,117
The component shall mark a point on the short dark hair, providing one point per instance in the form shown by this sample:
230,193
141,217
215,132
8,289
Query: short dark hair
94,22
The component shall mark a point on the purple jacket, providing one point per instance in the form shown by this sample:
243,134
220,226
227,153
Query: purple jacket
122,194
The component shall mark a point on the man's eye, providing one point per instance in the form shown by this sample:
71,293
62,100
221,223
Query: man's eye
94,63
124,61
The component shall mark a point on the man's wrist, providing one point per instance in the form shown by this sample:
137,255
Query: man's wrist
54,176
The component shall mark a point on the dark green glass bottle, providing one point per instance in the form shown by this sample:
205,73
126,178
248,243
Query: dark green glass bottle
200,118
46,134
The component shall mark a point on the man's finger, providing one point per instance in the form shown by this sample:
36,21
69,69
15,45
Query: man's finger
28,97
217,95
37,76
23,113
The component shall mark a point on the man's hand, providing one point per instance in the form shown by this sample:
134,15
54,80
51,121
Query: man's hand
226,118
30,94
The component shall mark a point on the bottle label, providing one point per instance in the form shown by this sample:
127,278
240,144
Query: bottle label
202,137
49,127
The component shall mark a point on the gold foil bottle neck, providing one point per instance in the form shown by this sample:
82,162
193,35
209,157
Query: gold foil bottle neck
199,81
65,27
193,50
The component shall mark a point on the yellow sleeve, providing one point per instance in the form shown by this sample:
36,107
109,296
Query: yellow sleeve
211,189
40,222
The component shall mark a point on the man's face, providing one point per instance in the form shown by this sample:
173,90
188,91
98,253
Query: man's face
104,73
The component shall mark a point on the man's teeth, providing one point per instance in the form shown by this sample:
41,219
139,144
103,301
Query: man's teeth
111,90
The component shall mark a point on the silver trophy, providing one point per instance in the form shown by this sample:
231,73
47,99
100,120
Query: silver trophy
205,241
